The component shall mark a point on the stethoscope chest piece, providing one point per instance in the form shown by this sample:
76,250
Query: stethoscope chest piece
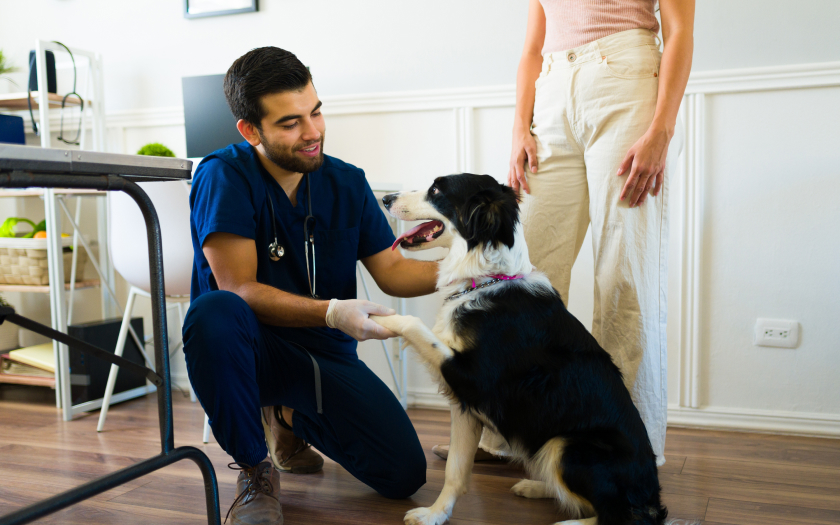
275,251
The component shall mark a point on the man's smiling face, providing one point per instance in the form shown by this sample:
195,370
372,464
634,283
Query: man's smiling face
292,134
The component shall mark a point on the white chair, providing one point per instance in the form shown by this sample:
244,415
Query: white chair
130,257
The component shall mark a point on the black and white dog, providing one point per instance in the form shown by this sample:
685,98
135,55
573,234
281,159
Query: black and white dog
510,357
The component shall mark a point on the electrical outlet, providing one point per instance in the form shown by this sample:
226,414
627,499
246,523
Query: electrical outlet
776,332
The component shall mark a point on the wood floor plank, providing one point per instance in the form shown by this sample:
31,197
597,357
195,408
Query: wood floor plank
765,448
685,507
801,477
753,490
747,513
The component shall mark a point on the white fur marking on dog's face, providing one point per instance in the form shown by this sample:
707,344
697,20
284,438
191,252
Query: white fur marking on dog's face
413,206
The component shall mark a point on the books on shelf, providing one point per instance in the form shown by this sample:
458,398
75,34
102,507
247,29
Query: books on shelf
40,357
19,369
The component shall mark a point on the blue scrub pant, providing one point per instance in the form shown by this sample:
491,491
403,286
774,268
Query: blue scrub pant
237,365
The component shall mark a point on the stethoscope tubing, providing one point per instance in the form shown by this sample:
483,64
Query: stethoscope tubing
276,251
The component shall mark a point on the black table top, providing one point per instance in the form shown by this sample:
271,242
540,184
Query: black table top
138,168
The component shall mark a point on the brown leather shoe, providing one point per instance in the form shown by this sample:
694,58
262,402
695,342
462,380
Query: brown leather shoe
257,496
288,452
442,451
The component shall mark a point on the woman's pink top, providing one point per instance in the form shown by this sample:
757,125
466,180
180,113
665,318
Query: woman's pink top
572,23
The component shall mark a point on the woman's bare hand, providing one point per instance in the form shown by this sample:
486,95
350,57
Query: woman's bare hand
524,150
646,163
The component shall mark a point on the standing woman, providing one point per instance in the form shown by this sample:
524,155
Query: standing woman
596,109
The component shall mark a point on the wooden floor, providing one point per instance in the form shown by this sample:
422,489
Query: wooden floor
717,477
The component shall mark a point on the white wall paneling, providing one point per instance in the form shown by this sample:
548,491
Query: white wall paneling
720,380
691,219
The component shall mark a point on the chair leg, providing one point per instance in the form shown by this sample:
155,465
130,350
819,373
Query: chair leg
112,375
206,437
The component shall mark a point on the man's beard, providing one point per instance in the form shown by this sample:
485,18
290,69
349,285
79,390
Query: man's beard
285,157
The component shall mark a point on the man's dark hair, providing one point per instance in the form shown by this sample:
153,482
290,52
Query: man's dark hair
259,72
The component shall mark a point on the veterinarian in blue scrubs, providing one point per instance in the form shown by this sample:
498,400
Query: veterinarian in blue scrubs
258,332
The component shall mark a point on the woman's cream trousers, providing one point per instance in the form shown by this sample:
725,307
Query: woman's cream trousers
592,104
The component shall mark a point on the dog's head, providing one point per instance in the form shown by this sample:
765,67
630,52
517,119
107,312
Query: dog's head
475,208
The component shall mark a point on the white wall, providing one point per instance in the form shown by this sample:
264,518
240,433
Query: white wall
766,191
367,46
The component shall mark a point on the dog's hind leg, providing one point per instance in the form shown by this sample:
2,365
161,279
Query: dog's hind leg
464,435
547,465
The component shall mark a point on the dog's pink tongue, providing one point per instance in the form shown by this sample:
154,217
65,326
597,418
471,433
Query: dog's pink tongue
410,233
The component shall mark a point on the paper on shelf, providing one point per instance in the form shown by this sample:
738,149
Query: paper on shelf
39,356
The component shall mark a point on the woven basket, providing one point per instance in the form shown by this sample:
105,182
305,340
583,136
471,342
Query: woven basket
24,261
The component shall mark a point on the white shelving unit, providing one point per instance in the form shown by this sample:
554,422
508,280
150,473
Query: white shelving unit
93,109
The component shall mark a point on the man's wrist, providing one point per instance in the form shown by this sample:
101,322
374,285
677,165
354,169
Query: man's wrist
329,314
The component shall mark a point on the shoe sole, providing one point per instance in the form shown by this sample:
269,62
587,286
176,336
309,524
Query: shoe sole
300,470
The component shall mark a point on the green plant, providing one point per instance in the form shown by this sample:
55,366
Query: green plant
4,302
6,67
156,149
7,229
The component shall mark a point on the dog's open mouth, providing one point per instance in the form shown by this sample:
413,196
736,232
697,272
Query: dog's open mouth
426,232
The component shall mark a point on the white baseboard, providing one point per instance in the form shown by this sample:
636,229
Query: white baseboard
752,420
713,418
427,398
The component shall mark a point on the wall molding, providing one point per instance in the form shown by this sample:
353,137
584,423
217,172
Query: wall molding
822,74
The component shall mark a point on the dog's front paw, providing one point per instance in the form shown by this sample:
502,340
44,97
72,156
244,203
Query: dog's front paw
528,488
394,323
425,516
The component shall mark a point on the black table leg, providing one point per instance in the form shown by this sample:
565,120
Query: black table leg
169,454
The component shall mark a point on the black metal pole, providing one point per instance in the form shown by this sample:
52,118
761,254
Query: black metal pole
161,338
23,179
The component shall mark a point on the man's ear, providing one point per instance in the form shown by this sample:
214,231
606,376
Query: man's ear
249,132
488,220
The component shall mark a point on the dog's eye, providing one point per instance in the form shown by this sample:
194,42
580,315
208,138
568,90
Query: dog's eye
435,191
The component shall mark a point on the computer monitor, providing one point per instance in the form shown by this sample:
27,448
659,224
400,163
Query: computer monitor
207,118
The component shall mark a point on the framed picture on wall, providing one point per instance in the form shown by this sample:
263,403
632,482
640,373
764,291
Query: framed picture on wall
202,8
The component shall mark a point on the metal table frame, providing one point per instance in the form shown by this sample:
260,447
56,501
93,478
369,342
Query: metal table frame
22,167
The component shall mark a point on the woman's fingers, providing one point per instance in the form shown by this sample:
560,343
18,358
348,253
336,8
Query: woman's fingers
523,181
660,179
630,184
531,153
513,182
648,187
626,163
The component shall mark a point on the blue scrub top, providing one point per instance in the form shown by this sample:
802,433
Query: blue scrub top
229,195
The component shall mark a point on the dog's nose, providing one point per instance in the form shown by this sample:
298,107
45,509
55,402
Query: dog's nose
388,200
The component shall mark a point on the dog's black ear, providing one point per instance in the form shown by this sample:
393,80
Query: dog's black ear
490,217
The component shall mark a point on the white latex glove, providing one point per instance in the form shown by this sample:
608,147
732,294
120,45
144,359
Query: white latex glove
351,317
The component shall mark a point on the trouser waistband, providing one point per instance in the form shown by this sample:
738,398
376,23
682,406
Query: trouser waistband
600,48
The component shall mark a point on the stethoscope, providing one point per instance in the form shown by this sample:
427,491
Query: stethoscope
276,251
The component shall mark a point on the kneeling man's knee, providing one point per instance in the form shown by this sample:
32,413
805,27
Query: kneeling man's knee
215,319
409,477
